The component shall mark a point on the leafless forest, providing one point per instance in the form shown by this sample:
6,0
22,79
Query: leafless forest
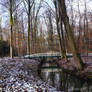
41,26
29,27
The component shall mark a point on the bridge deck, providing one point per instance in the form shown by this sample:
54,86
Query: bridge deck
45,55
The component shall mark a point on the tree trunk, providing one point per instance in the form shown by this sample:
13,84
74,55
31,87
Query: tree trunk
68,28
11,31
28,35
0,31
23,36
79,30
58,31
63,38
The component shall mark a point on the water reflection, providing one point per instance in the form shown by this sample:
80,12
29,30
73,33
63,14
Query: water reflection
51,73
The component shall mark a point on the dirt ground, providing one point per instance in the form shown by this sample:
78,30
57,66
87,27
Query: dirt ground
70,67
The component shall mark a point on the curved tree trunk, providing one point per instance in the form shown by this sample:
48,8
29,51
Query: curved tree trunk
58,31
68,28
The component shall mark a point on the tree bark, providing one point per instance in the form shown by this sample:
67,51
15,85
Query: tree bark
28,34
68,28
11,31
58,30
80,29
62,36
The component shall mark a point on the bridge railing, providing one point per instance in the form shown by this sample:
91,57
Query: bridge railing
42,55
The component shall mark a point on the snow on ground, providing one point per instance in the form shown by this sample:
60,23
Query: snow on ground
20,75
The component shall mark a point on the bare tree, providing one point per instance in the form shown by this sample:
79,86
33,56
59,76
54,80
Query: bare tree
0,29
28,5
70,34
85,29
50,29
58,29
11,30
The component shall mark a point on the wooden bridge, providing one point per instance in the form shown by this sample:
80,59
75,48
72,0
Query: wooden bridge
52,55
45,56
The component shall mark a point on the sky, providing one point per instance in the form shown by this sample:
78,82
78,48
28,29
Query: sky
75,3
81,3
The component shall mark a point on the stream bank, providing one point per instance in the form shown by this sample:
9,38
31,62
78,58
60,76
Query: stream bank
21,75
52,73
70,67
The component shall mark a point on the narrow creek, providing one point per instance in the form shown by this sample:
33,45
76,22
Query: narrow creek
51,73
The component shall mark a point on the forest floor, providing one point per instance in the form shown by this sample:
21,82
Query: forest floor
20,75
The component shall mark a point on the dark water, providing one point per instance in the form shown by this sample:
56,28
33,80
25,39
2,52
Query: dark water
52,74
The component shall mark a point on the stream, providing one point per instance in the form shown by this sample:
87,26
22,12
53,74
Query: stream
51,73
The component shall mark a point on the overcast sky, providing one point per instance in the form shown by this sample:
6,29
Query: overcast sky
75,3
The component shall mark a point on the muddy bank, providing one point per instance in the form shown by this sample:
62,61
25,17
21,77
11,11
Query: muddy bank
20,75
70,67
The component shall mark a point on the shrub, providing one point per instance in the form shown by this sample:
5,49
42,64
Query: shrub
4,48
